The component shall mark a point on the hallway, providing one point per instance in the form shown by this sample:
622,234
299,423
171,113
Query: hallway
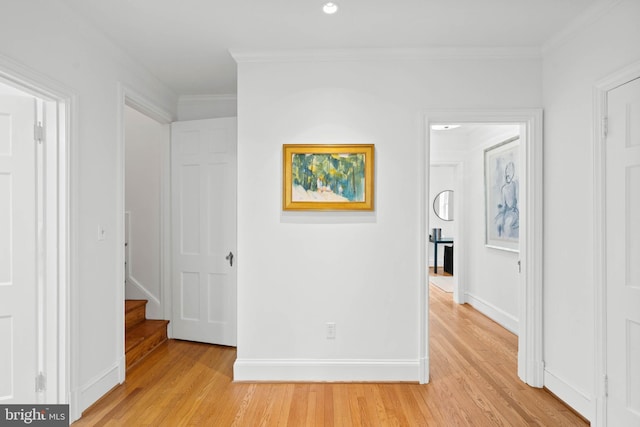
473,383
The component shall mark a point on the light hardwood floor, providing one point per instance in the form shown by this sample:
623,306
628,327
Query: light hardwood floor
473,383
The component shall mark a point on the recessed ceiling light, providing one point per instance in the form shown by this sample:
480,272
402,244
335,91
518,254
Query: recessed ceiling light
444,127
330,8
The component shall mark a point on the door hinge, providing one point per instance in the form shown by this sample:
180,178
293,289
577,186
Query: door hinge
41,382
38,132
605,126
606,386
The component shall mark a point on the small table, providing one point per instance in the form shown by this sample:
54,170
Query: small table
436,242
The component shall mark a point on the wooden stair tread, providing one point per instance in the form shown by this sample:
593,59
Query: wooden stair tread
142,335
144,329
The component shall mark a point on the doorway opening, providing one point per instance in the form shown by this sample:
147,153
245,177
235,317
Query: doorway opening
34,240
528,265
444,225
143,225
480,236
146,141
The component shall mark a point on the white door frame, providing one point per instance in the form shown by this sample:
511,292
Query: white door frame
600,226
60,205
130,97
530,357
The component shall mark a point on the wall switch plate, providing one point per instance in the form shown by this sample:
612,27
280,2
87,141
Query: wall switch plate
331,330
102,234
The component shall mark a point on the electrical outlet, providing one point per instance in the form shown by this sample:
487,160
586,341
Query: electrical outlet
331,330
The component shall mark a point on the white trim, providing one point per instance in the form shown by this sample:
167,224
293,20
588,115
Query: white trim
142,290
530,343
97,387
375,54
60,277
506,320
530,362
207,98
314,370
132,98
424,152
165,229
578,24
145,106
576,399
34,82
599,254
119,345
73,295
459,263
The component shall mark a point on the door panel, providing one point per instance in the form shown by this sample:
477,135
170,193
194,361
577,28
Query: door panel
623,254
189,177
204,230
18,363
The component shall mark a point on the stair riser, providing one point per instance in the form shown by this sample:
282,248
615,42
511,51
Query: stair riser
134,317
142,335
146,346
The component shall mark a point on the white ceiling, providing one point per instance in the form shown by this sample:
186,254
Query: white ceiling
185,42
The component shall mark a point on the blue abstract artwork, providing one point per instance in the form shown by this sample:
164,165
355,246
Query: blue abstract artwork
502,192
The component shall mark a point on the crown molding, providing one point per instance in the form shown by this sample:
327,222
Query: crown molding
578,24
207,98
374,54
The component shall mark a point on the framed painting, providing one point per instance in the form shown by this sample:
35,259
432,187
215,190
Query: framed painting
502,191
328,177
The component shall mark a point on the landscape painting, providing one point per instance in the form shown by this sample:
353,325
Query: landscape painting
328,177
502,193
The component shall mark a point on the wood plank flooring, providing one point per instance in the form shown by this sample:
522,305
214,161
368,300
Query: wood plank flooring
473,383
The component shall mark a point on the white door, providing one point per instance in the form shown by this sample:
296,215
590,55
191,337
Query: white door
623,255
18,348
203,194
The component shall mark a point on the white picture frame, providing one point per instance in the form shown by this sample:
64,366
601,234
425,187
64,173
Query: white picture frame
502,192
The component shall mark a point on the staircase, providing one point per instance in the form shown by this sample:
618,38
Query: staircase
142,335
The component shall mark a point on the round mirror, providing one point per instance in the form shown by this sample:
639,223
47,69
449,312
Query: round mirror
443,205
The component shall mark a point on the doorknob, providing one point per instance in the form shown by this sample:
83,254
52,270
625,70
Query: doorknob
230,258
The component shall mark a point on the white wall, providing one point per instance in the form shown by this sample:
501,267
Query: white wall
442,177
145,142
45,37
492,278
297,271
572,66
196,107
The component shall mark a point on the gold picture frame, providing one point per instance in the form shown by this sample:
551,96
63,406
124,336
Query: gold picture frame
336,177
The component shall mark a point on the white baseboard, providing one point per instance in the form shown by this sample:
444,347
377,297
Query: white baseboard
424,372
326,370
97,387
506,320
571,396
74,407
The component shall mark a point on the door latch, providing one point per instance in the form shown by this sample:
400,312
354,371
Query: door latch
230,258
